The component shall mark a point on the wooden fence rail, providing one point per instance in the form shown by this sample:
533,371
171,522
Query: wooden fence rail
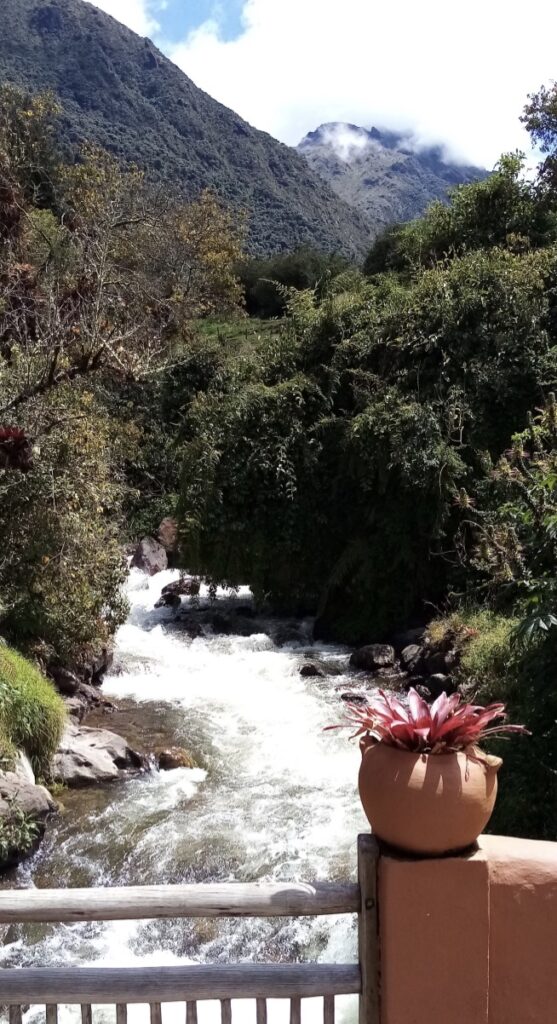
88,987
168,901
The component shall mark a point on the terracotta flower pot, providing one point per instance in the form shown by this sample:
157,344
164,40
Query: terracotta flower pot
426,803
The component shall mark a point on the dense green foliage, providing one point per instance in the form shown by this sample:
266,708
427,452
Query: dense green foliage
325,468
31,712
100,282
391,450
121,93
266,281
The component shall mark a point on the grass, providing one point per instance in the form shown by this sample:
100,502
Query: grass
32,713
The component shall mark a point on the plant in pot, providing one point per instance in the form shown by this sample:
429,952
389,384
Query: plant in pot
425,784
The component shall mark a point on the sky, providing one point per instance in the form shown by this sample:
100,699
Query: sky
455,73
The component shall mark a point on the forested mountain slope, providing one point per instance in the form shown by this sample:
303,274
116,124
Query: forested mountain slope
119,91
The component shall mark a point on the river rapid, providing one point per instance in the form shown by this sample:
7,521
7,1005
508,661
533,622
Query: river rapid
274,798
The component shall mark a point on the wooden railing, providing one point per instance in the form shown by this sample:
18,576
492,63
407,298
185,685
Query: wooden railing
86,987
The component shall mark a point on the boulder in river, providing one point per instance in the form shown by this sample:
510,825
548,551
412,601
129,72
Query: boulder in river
168,534
66,682
187,586
372,657
311,670
174,757
411,657
150,556
18,789
86,757
24,807
168,601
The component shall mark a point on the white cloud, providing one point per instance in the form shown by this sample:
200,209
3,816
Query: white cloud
136,14
453,72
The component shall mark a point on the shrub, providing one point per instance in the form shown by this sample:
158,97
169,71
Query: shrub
18,834
31,712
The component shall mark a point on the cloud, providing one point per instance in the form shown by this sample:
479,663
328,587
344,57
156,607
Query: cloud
450,72
347,141
136,14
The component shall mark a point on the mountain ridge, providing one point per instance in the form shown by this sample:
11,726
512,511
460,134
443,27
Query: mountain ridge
119,91
382,173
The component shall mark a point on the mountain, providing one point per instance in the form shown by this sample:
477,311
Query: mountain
119,91
382,173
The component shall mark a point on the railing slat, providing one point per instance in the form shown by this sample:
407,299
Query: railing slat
156,1014
295,1010
257,899
328,1010
191,1012
86,1014
52,1014
368,938
261,1011
121,1013
226,1011
92,985
14,1015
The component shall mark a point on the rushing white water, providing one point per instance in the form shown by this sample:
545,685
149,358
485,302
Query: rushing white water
275,798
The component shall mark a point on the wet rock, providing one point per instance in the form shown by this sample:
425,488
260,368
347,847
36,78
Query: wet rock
310,671
411,657
372,657
100,665
150,556
168,601
435,663
66,682
354,698
438,684
19,793
87,757
18,789
188,586
168,534
174,757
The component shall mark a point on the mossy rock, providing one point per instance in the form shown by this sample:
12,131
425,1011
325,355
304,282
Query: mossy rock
32,713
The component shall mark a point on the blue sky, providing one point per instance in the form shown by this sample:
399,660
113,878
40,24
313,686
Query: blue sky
449,72
180,17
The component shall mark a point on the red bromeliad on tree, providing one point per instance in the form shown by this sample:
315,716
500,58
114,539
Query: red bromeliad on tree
15,449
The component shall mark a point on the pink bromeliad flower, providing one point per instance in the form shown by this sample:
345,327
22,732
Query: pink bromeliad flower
447,725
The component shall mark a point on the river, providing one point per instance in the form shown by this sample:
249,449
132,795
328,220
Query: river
273,798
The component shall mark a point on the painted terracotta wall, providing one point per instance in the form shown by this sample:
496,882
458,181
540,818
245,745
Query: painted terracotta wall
470,940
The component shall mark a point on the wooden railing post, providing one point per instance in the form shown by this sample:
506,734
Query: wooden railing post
368,930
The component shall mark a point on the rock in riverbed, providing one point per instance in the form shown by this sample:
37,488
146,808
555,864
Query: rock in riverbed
174,757
372,657
87,757
150,556
18,788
